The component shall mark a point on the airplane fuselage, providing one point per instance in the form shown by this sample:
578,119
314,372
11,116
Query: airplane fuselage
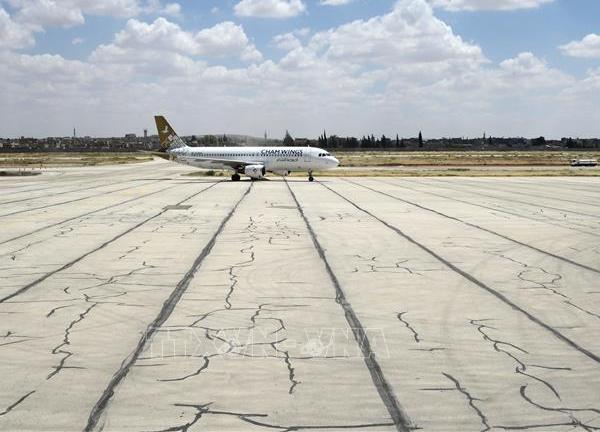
279,160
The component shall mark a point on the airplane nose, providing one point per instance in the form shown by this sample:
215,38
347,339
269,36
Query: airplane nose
336,162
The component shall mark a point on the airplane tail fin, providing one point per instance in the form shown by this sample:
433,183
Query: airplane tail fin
169,140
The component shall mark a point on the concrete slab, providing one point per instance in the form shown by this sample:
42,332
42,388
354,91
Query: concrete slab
132,298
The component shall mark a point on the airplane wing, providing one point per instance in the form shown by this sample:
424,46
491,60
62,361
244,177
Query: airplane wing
225,163
217,163
162,155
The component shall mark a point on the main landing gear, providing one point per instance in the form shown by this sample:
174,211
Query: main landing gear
235,177
310,177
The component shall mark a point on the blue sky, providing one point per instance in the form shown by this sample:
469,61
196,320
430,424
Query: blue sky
505,34
501,34
450,67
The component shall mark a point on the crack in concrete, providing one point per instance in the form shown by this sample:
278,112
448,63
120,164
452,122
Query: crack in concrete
53,310
15,404
135,248
498,344
570,412
66,341
251,419
114,279
288,364
241,349
471,400
233,277
527,275
374,268
204,366
408,326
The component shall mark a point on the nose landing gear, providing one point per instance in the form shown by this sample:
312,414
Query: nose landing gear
310,176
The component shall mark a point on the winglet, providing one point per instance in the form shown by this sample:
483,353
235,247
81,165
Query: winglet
167,136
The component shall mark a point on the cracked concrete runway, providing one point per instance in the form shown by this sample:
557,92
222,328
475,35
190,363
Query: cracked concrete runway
135,299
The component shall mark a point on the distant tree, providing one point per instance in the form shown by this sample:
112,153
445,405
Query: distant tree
385,141
541,141
397,141
420,139
324,138
370,141
208,140
288,141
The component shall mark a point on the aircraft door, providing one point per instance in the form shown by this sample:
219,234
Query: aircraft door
306,156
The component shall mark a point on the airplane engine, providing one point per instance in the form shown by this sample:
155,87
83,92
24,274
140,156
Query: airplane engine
255,171
284,173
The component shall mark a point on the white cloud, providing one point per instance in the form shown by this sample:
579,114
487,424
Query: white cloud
399,72
13,35
162,39
67,13
287,41
588,47
169,9
270,8
302,32
45,13
474,5
335,2
114,8
410,34
526,71
40,14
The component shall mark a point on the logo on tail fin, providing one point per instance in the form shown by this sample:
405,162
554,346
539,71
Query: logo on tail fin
167,137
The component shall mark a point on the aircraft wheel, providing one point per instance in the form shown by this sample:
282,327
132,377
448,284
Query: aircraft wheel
235,177
311,178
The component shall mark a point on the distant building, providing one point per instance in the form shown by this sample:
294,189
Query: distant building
130,136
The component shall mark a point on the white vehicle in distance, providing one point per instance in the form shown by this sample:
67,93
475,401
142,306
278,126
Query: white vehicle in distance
584,162
253,162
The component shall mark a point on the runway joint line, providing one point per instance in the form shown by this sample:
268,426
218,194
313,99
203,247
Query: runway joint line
474,280
385,390
168,306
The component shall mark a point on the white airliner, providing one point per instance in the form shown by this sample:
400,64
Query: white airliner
253,162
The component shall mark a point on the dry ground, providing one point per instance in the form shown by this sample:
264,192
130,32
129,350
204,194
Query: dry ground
45,160
516,158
